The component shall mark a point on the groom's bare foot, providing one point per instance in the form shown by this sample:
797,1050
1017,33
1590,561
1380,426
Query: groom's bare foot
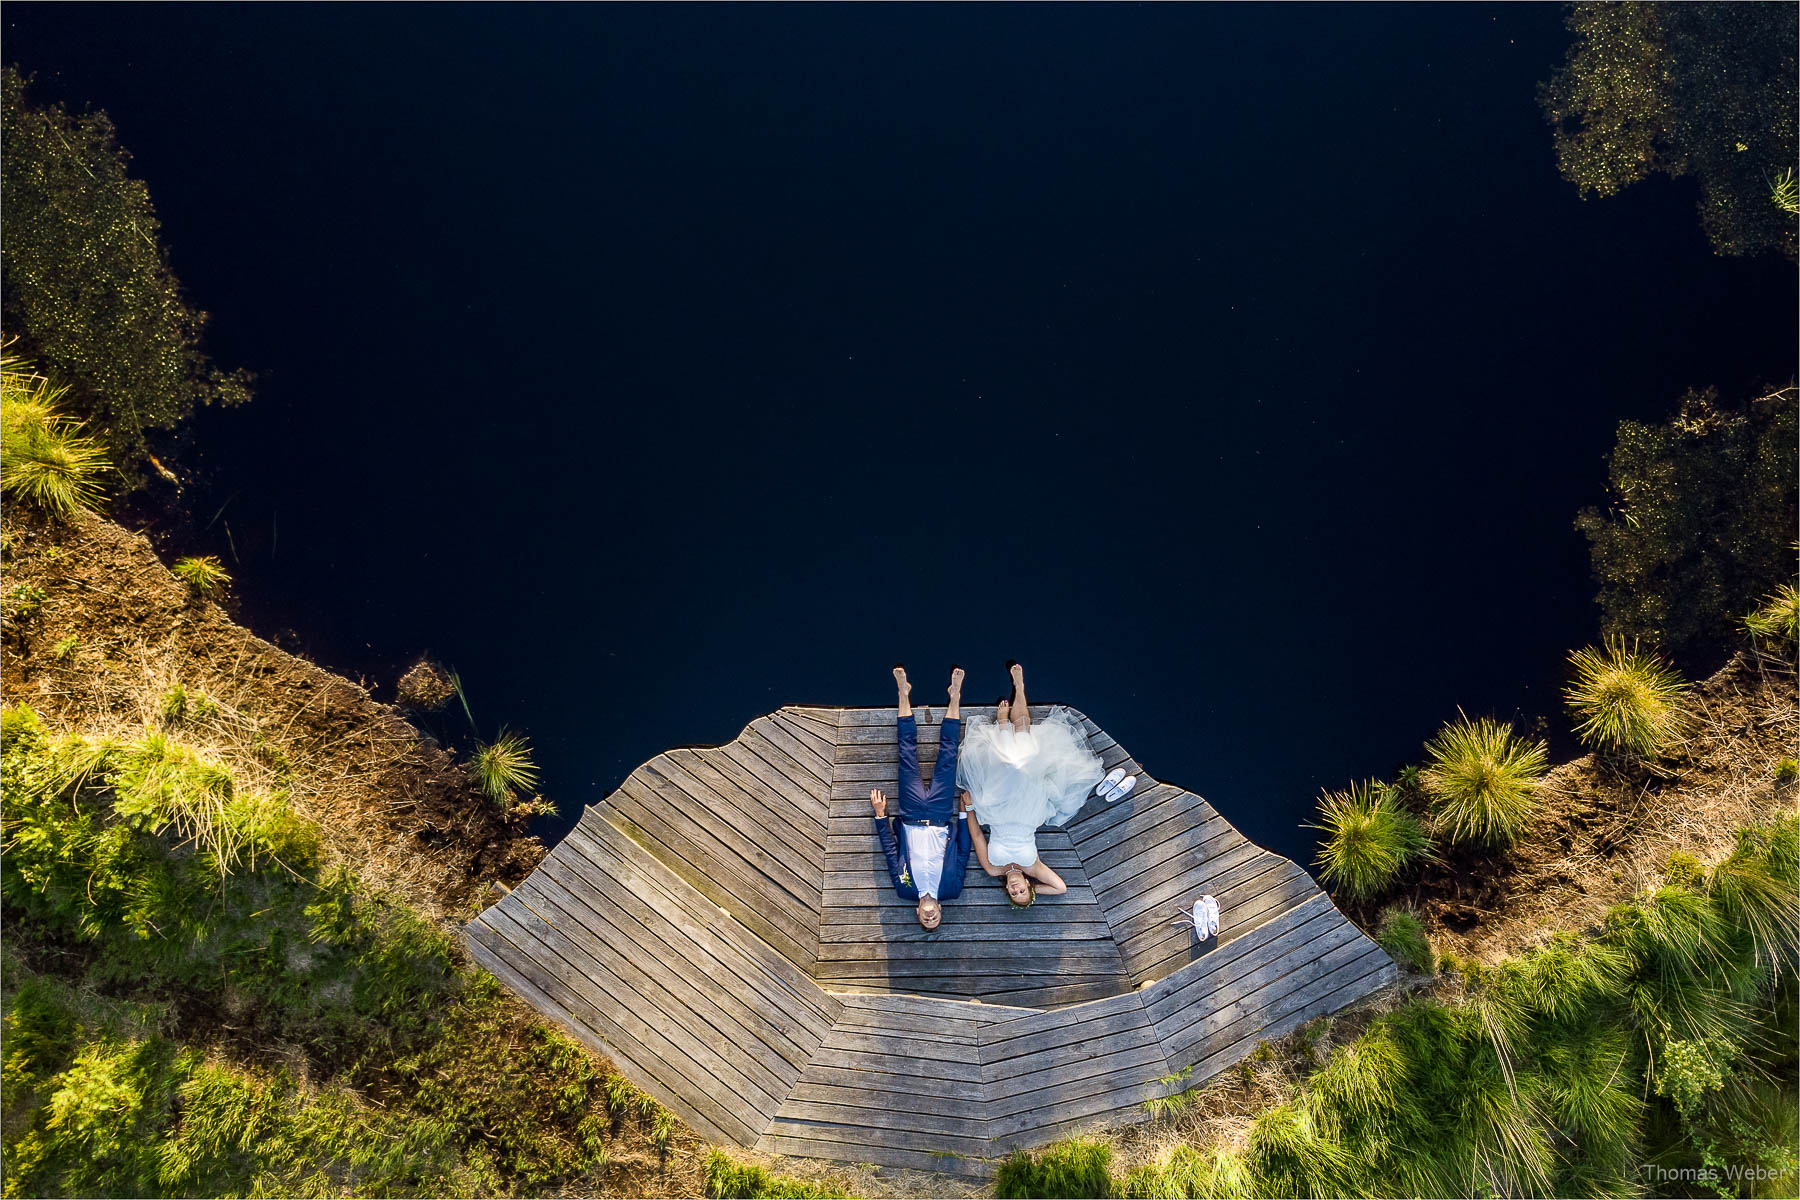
905,686
956,678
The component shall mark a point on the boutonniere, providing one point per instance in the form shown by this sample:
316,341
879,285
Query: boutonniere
905,874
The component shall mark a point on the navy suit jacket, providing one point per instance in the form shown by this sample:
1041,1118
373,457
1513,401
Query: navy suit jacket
956,858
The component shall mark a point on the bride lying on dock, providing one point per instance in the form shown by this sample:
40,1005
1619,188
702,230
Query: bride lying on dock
1020,776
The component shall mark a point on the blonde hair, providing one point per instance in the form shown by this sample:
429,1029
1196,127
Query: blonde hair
1030,893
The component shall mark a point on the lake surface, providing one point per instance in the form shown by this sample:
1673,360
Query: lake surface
1238,370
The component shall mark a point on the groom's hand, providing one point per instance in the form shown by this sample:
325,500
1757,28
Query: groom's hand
878,802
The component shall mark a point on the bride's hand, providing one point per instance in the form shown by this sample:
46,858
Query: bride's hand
966,802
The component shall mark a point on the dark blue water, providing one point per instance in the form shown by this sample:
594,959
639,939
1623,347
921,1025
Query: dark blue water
1239,370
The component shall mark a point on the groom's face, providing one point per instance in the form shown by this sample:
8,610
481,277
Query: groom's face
930,912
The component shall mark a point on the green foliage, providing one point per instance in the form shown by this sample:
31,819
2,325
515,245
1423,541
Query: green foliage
426,1077
504,766
24,600
1778,620
1702,518
1626,701
88,289
1480,779
1369,839
1077,1167
728,1179
1704,89
1402,935
1187,1172
44,460
65,646
205,573
1787,770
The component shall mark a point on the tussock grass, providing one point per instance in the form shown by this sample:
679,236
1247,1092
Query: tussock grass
1074,1168
1480,779
503,766
1369,839
1778,620
1626,700
1402,934
728,1179
44,459
204,573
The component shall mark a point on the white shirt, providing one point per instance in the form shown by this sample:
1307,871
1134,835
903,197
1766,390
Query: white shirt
925,851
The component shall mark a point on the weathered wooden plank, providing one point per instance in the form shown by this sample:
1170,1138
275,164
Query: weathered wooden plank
807,1141
890,1126
754,1019
807,796
1276,936
779,929
618,855
808,735
723,814
700,1009
1257,990
1327,995
777,817
684,1069
1161,950
806,770
1177,843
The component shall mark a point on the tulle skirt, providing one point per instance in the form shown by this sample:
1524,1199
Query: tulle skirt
1020,781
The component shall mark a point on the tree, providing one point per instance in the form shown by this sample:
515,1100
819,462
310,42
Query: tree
87,288
1701,89
1702,523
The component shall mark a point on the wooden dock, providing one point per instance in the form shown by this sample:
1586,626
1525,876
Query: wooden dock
724,929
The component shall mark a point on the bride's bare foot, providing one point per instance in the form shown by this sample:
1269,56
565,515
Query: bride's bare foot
1004,713
1018,675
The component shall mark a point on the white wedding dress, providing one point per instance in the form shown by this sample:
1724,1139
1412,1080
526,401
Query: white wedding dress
1019,781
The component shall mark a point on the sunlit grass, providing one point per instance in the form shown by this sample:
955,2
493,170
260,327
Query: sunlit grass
1785,192
44,459
1481,780
205,573
1778,620
1369,839
1626,701
504,765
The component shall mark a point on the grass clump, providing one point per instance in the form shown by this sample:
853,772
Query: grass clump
1369,839
204,573
65,647
1778,620
1402,935
728,1179
1480,779
25,600
1074,1168
504,766
1626,701
44,459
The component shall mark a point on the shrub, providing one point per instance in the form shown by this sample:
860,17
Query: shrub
88,288
1073,1168
44,460
1626,701
1369,839
205,574
504,766
1778,620
1480,780
1402,935
1704,508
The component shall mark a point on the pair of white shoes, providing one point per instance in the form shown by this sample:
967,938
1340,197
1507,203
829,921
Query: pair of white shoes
1204,918
1116,786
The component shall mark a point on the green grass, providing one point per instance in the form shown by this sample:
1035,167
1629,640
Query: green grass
1626,701
44,460
1369,839
204,573
1074,1168
1402,935
24,600
65,647
422,1076
503,766
1784,193
728,1179
1778,620
1480,779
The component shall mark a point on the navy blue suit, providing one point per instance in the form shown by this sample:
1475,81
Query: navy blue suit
919,807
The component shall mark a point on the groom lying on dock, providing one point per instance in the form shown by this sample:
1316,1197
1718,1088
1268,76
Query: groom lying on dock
927,841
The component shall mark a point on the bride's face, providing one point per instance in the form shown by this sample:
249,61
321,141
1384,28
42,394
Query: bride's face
1015,884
